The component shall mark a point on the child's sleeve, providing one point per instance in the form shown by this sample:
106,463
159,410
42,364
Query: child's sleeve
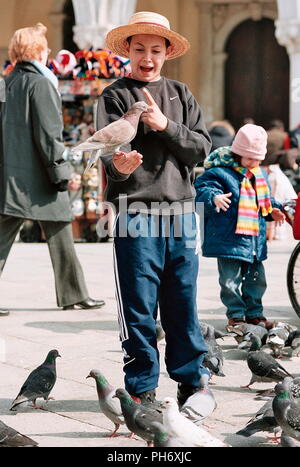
207,187
189,142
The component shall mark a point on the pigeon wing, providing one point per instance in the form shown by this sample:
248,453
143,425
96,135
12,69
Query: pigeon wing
9,437
38,384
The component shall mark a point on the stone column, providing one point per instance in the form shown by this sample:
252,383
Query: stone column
207,92
219,84
288,35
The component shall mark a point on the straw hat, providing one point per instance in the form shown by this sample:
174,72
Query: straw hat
146,22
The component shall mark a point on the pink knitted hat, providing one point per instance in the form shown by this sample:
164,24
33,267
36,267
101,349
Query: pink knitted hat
250,141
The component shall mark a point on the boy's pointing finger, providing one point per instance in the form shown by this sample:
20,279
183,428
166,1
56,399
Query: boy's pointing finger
149,98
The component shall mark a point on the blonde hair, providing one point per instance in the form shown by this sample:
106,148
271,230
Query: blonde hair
27,43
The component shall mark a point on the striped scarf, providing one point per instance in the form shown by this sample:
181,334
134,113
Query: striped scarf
252,198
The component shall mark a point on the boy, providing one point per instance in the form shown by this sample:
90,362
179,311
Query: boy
157,167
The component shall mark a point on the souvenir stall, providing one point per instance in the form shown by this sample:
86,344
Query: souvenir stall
82,78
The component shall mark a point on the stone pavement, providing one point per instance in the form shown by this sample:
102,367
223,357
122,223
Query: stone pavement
89,339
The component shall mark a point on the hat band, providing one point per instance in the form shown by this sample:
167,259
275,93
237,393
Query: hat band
153,24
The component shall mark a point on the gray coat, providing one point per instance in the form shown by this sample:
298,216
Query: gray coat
31,148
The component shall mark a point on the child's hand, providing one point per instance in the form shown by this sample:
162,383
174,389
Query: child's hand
127,163
222,202
154,116
278,216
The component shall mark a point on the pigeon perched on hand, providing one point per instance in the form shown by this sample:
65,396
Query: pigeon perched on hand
109,406
10,438
39,383
263,366
112,137
138,417
178,426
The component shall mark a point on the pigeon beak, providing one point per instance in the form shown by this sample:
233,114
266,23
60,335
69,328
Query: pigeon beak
88,376
59,355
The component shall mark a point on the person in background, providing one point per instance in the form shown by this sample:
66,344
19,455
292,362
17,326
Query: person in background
221,133
237,203
33,174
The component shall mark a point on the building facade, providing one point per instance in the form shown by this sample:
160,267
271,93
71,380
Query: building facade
236,67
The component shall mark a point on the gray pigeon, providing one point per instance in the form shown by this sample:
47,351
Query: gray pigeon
201,404
39,383
112,137
109,406
217,333
213,359
263,366
263,420
241,332
138,417
10,438
162,439
286,411
288,442
276,340
293,341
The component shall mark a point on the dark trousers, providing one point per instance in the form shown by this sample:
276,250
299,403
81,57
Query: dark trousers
154,270
243,285
69,280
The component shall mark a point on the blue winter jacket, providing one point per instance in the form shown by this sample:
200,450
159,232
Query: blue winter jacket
220,239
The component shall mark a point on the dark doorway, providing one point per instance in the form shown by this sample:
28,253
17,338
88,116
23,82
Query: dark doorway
69,22
256,75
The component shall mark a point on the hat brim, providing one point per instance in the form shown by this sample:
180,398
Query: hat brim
116,39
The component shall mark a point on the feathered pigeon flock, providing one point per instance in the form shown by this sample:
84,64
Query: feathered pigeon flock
167,424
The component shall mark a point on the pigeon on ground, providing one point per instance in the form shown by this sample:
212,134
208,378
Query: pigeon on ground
137,416
276,340
201,404
112,137
39,383
178,426
288,442
162,439
263,420
286,411
213,359
109,406
293,341
10,438
160,333
241,332
217,333
267,394
263,366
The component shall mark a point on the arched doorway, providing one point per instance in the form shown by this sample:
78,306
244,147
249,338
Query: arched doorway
68,23
256,75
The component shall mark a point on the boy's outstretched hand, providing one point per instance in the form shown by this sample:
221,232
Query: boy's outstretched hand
222,202
126,163
154,116
278,216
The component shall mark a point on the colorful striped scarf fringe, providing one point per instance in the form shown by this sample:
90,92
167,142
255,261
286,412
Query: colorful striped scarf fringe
252,199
